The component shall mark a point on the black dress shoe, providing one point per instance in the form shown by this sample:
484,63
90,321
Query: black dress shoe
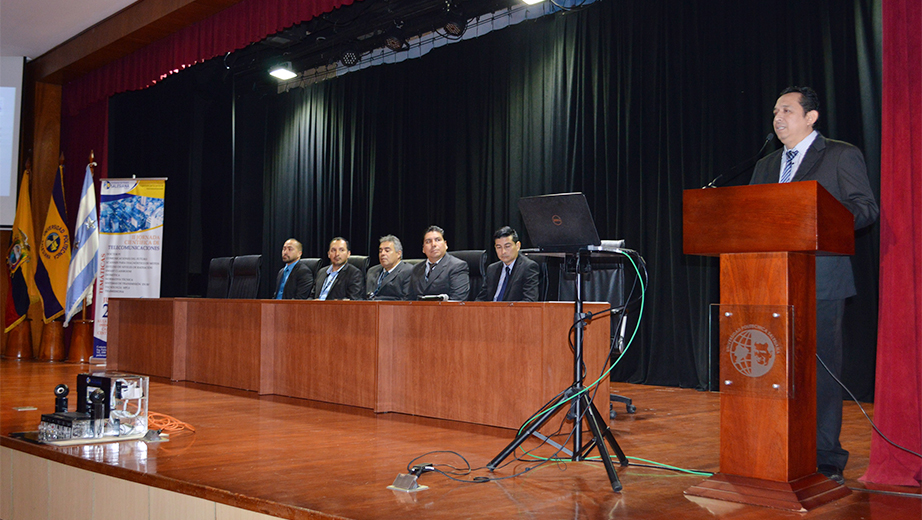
832,473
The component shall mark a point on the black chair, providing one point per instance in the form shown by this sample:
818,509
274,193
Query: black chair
245,280
361,262
543,280
219,277
477,263
604,283
413,261
313,264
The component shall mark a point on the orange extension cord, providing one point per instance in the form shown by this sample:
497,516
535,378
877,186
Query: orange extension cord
166,424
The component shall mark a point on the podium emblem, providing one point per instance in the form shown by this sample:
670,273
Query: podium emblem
752,350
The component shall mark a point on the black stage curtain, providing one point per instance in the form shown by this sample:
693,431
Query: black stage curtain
181,129
629,102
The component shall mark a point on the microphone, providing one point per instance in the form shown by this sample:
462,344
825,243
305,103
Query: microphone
743,165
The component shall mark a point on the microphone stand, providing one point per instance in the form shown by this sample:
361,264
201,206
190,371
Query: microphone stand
744,166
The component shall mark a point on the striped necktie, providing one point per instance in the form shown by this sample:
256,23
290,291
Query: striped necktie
788,172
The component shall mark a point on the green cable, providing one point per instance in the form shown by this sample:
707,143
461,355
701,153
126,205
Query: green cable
643,291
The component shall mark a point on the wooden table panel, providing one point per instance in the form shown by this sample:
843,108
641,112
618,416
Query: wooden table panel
321,350
483,363
479,362
140,336
223,342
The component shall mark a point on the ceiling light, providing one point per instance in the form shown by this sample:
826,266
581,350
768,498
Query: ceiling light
349,56
283,71
455,24
395,40
532,2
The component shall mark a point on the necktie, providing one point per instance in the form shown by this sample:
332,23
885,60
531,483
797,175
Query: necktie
788,172
502,289
287,272
429,271
378,286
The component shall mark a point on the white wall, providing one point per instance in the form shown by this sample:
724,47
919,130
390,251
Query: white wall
10,102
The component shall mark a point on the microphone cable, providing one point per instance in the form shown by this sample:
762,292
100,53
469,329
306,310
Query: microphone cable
855,399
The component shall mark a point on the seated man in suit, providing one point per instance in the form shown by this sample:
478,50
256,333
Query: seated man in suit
295,281
442,273
339,281
389,280
513,278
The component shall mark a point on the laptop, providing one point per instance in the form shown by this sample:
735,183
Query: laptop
560,223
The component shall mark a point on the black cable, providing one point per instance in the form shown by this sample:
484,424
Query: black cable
542,411
850,394
891,493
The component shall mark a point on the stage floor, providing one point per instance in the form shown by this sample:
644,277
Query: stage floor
294,458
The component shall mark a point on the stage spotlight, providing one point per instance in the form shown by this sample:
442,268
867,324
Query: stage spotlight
349,56
395,40
455,24
283,71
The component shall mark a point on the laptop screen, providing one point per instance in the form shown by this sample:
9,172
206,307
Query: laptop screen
560,222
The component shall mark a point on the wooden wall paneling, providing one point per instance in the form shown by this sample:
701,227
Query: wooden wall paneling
46,149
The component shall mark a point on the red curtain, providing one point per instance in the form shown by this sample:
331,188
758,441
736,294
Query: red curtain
231,29
897,409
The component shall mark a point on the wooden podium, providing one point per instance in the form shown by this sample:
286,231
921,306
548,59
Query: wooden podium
766,237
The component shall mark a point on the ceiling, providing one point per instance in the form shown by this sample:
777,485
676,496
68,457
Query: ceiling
362,26
37,29
31,28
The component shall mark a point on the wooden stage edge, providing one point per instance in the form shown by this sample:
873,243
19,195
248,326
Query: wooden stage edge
257,457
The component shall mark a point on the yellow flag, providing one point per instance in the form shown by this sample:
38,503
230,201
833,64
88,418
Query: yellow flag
54,253
21,260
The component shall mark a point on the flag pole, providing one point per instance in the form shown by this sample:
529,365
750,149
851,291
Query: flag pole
19,326
83,269
92,167
51,346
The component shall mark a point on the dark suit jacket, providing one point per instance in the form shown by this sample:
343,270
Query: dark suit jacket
522,285
395,286
299,284
348,284
838,167
451,276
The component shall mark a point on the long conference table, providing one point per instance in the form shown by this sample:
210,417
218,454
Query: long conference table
480,362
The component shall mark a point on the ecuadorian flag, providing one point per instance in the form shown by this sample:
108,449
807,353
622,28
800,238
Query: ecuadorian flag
21,261
54,253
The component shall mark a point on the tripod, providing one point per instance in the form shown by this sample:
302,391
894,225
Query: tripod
582,407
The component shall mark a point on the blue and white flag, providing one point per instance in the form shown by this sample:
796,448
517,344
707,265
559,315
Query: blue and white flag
84,261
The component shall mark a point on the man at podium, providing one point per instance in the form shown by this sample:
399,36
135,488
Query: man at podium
840,168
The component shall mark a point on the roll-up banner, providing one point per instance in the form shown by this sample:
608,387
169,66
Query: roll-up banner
130,245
